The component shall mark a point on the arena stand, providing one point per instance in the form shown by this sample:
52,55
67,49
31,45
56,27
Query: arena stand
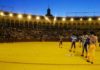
23,27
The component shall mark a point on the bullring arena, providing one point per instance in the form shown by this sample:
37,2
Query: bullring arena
30,42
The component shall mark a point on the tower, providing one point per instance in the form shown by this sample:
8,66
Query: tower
49,12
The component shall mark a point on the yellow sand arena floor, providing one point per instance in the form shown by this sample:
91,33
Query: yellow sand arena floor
44,56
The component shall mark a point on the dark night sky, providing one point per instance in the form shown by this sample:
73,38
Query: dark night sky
58,7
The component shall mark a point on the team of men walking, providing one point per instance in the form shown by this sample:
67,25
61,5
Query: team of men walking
88,42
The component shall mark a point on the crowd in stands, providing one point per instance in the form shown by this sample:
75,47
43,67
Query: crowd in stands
14,33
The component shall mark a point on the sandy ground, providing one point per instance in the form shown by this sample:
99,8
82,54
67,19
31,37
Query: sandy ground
44,56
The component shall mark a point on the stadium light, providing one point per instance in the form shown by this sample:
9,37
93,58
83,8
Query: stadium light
11,15
72,19
90,19
55,18
20,16
81,19
64,19
29,17
1,13
46,18
99,19
37,18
